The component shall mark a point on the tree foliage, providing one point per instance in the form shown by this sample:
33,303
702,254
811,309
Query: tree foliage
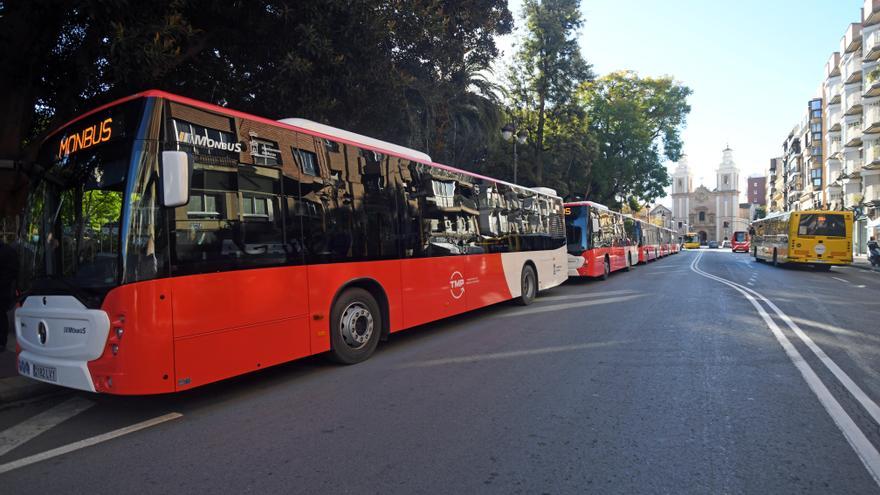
636,122
547,68
413,72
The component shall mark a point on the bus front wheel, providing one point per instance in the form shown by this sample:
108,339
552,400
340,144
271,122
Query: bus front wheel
356,323
606,270
528,285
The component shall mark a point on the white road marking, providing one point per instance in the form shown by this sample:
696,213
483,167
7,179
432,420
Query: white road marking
856,438
88,442
23,432
506,355
558,307
584,295
842,280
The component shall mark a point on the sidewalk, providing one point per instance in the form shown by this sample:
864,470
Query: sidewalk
14,387
861,262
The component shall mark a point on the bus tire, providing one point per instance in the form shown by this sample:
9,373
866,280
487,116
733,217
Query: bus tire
822,268
355,326
606,269
528,280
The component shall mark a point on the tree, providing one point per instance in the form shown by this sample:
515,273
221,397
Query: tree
637,123
547,69
760,212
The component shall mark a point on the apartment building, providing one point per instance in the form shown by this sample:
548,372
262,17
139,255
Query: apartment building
831,159
756,190
775,184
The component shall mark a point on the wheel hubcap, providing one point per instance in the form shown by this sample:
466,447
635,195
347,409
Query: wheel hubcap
356,325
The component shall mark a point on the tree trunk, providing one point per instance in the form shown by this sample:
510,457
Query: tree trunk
539,156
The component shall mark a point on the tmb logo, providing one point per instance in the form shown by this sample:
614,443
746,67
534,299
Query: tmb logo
456,285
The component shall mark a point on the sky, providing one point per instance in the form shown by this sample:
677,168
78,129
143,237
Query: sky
752,65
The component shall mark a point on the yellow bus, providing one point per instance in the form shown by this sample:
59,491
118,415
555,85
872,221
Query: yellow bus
692,240
815,237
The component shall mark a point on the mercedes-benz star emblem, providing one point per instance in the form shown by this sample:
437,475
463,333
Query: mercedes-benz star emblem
42,332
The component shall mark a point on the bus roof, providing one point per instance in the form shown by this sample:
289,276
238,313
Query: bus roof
299,125
587,203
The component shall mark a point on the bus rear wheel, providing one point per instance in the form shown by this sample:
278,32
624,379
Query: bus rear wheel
356,322
528,285
822,268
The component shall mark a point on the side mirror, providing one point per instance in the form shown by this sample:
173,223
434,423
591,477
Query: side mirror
176,167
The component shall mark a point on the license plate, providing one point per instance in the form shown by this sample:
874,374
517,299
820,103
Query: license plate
44,373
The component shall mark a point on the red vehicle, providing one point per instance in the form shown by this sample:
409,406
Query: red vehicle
740,242
171,243
600,241
649,242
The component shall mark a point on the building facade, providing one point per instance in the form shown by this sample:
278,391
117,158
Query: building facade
832,158
713,214
756,190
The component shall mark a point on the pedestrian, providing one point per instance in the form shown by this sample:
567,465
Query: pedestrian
8,272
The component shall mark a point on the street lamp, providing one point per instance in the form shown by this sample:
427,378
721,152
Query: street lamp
508,132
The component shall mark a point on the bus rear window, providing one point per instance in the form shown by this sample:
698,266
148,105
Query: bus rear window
824,224
739,236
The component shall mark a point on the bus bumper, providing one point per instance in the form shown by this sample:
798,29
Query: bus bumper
62,372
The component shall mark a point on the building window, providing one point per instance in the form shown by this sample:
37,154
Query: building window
308,161
725,180
265,152
816,104
202,205
726,225
702,216
254,206
679,183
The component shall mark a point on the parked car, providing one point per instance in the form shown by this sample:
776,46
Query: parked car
725,243
713,244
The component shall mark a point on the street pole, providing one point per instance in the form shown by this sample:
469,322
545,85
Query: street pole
514,162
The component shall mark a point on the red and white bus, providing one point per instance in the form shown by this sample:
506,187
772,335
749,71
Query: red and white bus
171,243
600,241
740,242
649,241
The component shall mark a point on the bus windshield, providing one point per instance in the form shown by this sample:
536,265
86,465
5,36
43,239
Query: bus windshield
576,229
71,238
825,224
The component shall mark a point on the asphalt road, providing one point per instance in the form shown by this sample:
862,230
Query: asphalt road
660,380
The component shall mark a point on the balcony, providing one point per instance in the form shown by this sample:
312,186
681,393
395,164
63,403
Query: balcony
852,103
872,82
852,164
870,12
852,133
852,38
872,47
872,118
852,68
872,155
833,146
832,66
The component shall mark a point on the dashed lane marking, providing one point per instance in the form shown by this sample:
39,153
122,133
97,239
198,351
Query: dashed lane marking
23,432
88,442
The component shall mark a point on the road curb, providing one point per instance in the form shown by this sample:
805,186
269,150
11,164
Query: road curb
16,388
